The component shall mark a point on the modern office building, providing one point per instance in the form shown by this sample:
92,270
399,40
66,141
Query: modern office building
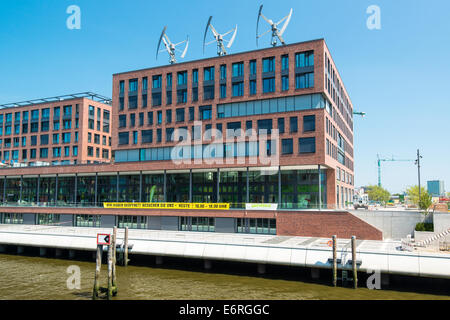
71,129
436,188
254,142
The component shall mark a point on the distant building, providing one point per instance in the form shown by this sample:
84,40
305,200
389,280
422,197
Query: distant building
435,188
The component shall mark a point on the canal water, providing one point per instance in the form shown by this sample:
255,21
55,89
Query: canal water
31,277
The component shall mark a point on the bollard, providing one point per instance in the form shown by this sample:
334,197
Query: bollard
98,265
334,261
355,271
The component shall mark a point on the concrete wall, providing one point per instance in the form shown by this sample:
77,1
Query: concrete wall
393,224
441,222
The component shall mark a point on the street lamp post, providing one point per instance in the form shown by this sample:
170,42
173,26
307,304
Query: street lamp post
418,170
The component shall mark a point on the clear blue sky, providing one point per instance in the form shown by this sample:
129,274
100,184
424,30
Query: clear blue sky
398,75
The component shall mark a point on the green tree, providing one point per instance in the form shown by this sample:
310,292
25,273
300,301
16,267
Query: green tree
413,194
379,194
425,201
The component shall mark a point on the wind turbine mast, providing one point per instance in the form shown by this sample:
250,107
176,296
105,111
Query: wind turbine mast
276,32
219,38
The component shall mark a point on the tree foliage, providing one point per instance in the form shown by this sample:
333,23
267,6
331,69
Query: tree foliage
379,194
413,194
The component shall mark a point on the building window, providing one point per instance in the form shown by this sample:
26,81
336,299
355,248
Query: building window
144,83
268,64
208,74
180,115
281,125
256,225
168,116
123,138
159,115
194,94
200,224
75,151
57,152
132,222
304,80
158,135
223,72
182,96
223,91
205,112
265,126
135,138
122,86
268,85
307,145
147,136
141,119
150,118
43,153
238,89
191,113
156,82
252,67
293,124
132,85
285,83
309,123
208,92
238,69
252,87
304,59
169,134
285,62
132,120
156,99
287,146
195,76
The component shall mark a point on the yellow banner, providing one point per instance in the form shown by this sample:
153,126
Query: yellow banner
166,205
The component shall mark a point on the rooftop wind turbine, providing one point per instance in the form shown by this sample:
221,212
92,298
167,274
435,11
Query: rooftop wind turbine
219,38
276,33
171,47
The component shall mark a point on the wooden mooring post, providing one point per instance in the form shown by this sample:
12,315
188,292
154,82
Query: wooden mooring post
334,261
125,248
355,271
114,260
98,266
109,292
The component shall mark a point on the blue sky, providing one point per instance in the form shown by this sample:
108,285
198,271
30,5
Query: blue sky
397,75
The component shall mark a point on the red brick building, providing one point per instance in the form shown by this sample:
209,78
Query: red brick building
271,127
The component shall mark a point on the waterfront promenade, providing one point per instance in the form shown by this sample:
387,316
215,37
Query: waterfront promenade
383,256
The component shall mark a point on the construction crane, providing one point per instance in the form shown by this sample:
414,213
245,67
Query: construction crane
379,165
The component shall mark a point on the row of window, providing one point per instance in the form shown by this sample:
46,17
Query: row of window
44,139
342,175
34,127
233,129
45,114
90,152
43,153
302,81
105,139
303,59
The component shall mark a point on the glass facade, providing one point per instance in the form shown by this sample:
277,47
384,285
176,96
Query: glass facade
299,188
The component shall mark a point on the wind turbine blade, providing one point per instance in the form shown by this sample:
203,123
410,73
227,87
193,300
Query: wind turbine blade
228,32
232,38
257,23
159,42
176,44
185,49
206,31
263,34
286,23
215,33
212,41
267,20
167,38
281,39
